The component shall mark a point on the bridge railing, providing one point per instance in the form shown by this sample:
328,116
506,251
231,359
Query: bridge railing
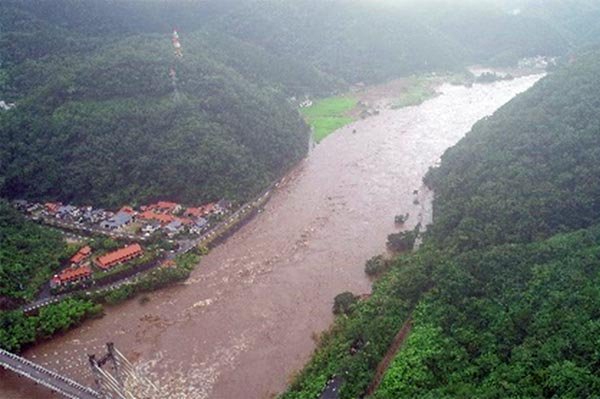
43,370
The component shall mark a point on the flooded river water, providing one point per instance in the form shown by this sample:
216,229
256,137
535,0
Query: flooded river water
245,320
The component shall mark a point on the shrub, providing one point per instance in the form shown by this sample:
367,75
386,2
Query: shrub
343,302
375,266
403,241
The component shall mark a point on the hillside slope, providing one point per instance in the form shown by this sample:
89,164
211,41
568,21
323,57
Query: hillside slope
101,119
111,126
505,284
519,319
527,172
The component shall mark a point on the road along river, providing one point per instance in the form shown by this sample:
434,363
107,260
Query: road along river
244,322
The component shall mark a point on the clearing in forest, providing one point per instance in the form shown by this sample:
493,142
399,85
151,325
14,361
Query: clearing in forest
329,114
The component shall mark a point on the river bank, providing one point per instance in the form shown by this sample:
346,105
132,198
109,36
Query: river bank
244,321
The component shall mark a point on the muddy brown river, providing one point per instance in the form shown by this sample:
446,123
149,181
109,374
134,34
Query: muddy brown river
245,321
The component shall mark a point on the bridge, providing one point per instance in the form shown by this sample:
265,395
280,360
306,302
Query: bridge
48,378
121,381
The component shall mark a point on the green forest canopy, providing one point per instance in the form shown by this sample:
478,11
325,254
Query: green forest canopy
99,121
29,254
506,282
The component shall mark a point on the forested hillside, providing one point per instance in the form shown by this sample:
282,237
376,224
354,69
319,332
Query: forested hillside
530,171
112,125
29,254
506,283
112,129
370,42
107,114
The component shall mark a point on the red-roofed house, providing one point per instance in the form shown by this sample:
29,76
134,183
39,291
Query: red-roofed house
81,255
165,207
52,207
149,215
71,275
127,209
114,258
186,221
208,208
201,211
194,212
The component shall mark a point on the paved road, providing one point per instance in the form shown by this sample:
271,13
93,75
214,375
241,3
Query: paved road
65,386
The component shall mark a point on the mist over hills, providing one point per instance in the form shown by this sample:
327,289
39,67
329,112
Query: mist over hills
97,122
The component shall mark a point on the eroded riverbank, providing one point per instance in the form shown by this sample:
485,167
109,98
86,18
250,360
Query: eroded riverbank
243,322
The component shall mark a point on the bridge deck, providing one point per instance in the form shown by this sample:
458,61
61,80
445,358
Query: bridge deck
56,382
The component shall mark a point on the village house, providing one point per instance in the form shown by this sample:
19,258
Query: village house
151,227
119,256
165,207
174,227
71,275
199,225
68,211
202,211
193,212
224,205
208,209
33,208
150,215
52,207
20,204
119,220
4,106
128,210
95,215
81,255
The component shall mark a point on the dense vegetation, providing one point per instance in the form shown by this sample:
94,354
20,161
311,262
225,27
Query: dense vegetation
508,321
111,128
506,288
528,172
29,254
99,119
18,330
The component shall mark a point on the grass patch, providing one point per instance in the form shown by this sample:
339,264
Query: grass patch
329,114
418,91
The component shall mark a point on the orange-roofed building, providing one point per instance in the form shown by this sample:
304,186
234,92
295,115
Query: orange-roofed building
52,207
209,208
194,212
186,221
71,275
127,209
149,215
81,255
201,211
124,254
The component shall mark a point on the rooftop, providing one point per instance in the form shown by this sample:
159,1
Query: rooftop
111,258
73,273
83,253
